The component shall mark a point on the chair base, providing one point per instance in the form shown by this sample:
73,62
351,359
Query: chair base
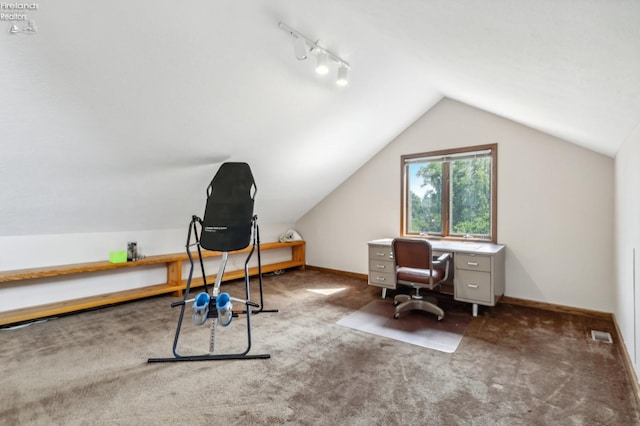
404,302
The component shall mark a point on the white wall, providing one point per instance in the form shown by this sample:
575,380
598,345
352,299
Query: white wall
627,303
555,207
31,251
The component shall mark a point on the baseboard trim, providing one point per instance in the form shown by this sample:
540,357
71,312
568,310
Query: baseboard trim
556,308
628,365
364,277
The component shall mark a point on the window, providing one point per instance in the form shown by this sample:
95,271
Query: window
451,194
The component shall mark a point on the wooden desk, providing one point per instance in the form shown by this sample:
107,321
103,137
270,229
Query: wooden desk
478,269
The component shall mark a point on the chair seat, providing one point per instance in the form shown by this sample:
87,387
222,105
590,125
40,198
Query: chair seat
422,276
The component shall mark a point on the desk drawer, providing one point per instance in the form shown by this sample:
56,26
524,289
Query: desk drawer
473,286
376,265
380,252
473,262
382,279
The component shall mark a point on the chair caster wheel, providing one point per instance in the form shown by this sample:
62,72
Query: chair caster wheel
396,316
396,303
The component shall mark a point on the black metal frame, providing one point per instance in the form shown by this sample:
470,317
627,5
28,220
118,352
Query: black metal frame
213,313
256,242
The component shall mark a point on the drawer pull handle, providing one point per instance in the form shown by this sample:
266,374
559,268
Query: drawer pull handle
472,263
380,279
472,285
379,254
380,266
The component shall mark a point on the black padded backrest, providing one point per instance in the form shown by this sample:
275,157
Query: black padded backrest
229,213
412,253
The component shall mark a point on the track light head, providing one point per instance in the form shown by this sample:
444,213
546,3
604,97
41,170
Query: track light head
343,73
300,47
323,63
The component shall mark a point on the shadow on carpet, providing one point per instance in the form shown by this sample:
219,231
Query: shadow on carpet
414,327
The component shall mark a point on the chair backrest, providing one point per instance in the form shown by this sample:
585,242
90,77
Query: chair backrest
412,253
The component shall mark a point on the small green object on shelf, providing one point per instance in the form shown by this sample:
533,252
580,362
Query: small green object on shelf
119,256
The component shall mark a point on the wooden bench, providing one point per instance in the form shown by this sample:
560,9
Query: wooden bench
175,283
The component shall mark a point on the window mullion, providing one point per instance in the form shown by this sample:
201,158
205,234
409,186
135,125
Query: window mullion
445,198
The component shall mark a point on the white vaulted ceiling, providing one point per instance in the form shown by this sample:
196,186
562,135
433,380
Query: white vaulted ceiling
115,115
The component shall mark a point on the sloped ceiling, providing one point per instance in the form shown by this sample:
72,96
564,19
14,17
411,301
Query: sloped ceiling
116,114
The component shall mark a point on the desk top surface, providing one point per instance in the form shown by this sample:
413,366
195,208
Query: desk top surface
476,247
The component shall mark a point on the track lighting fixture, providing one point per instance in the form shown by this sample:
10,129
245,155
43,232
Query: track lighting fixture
303,46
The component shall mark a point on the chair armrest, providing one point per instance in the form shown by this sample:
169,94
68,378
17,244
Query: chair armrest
443,258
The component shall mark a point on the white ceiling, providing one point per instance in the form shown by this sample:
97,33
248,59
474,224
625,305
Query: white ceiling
114,113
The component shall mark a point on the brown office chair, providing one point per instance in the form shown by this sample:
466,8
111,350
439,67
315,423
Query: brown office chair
416,267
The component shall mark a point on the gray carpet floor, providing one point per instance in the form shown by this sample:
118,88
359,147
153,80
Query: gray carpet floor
514,366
